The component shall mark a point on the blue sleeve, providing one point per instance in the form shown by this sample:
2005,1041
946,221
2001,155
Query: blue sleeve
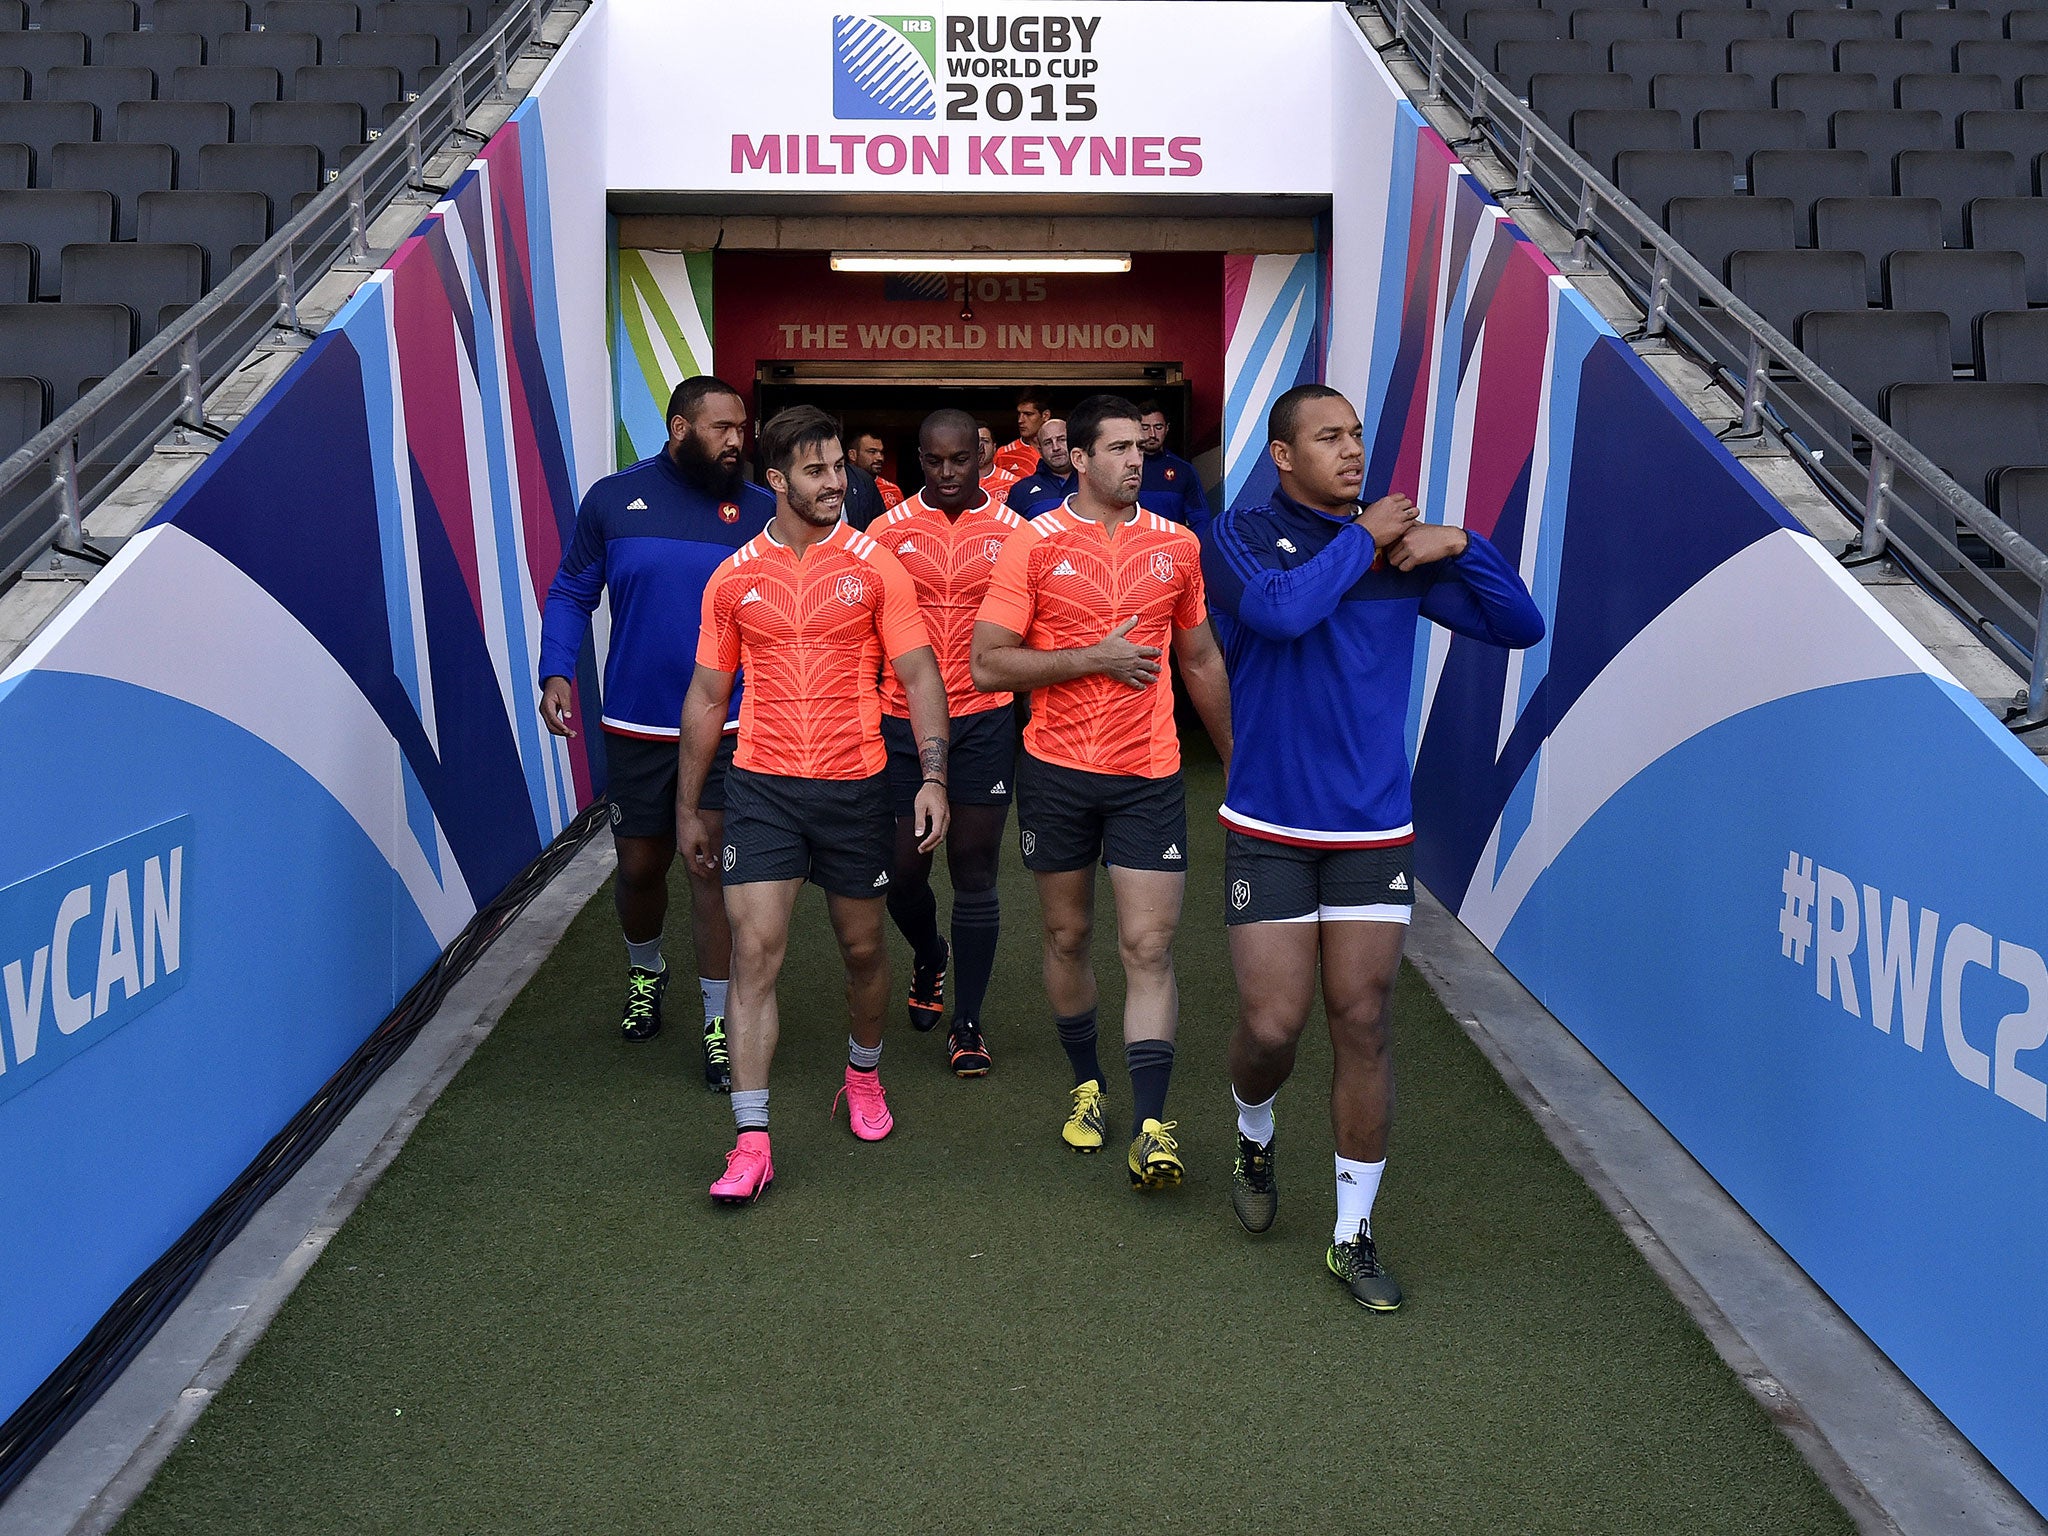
1480,595
573,595
1280,604
1195,503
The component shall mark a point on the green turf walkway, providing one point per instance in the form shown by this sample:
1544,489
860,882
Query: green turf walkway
537,1322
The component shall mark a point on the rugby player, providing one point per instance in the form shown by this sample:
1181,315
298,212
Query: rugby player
1019,456
868,452
652,535
1080,611
1053,481
948,538
1317,598
995,479
1170,487
811,608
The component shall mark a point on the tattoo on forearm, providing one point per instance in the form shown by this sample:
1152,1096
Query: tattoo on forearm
931,757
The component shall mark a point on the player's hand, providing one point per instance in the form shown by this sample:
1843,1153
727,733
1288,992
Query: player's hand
930,816
1426,543
1134,665
1388,519
693,840
555,699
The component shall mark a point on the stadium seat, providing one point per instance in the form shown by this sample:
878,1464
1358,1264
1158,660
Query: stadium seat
50,219
1835,25
280,172
41,125
209,18
2012,346
1867,351
1604,28
17,274
15,167
63,345
1890,57
1783,285
1806,175
327,20
1877,226
13,81
21,412
1485,31
2027,26
1766,58
157,52
332,127
1821,96
284,52
1648,57
2020,498
1973,430
1720,27
1554,98
1713,228
2014,224
1517,61
1689,95
216,222
449,23
373,87
92,17
1952,95
141,278
2034,92
184,125
412,54
1652,177
1743,133
2007,60
2020,134
1946,28
106,86
1955,177
1960,284
1881,135
241,86
1599,133
126,170
37,51
13,15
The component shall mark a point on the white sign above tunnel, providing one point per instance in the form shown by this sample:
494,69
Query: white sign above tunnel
1134,96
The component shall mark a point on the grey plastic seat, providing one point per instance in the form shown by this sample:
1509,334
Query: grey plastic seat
2012,346
106,86
2019,495
1554,98
209,18
373,87
332,127
2033,92
143,278
241,86
1890,57
1867,351
1652,177
157,52
63,345
1883,134
1947,28
1951,95
1516,61
1835,25
22,405
449,23
126,170
280,172
184,125
1973,430
38,51
1600,133
1955,177
1769,57
17,273
1485,31
1783,286
2014,224
41,125
13,15
2027,26
1719,26
216,222
92,17
1713,228
13,82
327,20
2007,60
50,219
1689,95
1743,133
412,54
1604,27
2021,134
16,165
1821,96
284,52
1960,284
1648,57
1876,227
1807,175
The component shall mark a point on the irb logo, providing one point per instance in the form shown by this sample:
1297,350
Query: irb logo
884,68
88,946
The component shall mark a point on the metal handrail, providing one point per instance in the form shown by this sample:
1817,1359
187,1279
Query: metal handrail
82,456
1899,496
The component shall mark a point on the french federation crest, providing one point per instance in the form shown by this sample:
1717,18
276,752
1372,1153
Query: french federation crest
850,591
1240,894
728,511
992,548
1162,565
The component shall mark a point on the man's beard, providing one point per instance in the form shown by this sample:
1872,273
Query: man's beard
703,471
808,509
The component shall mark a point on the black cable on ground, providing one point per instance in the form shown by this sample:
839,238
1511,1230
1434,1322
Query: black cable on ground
133,1320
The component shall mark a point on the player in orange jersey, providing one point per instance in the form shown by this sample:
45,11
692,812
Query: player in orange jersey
868,452
995,479
1080,611
1019,457
948,537
811,608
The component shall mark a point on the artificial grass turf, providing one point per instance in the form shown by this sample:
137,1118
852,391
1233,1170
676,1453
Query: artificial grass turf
537,1322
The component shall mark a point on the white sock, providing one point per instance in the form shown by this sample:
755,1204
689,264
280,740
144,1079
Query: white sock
862,1058
714,997
750,1109
1254,1120
647,956
1357,1183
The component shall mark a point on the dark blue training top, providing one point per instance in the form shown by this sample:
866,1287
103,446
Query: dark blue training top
1040,491
1320,644
1172,489
652,539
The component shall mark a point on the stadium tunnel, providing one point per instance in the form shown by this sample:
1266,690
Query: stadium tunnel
1610,813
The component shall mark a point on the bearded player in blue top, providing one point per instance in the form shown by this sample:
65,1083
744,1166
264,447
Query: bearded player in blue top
650,536
1316,600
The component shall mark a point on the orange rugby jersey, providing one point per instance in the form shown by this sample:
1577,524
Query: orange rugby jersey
1067,582
812,635
950,560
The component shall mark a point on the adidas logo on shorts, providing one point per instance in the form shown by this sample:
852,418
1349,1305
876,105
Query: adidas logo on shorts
1172,851
636,505
882,879
1065,568
997,788
1400,883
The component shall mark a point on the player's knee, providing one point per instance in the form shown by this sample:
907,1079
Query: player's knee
1269,1031
757,951
973,871
863,951
1361,1021
1147,949
1069,942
